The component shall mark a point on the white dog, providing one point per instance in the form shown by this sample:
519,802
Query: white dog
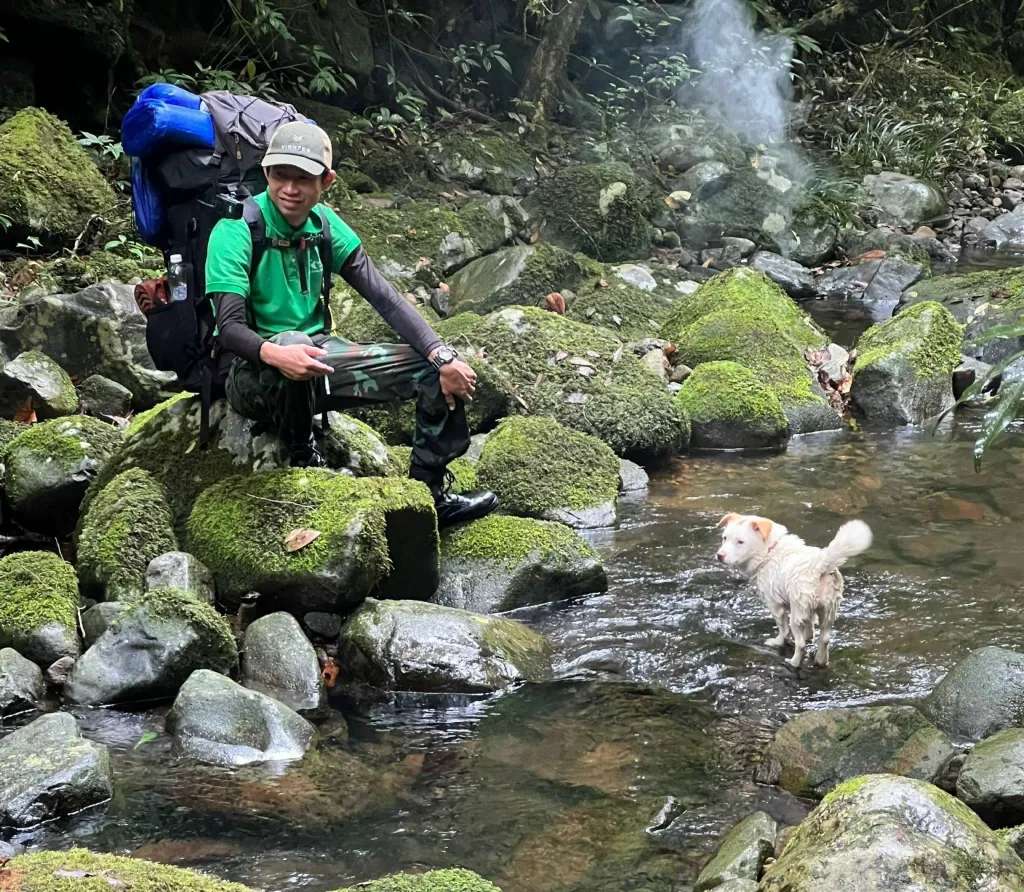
800,584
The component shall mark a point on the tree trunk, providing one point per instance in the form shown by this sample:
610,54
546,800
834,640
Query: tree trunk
547,67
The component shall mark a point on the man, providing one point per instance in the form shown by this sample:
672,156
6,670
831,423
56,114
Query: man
288,367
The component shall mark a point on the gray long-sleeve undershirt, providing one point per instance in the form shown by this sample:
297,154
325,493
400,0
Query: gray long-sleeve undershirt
235,335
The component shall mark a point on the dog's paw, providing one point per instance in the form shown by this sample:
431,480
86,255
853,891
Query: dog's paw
778,641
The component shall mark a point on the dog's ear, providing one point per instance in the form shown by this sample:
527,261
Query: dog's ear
729,518
763,526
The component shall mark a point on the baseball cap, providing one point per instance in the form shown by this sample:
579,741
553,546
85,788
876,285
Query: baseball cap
301,144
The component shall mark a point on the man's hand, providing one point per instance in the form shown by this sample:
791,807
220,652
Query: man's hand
298,362
457,380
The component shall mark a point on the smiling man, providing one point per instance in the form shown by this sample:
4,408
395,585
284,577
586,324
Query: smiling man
273,315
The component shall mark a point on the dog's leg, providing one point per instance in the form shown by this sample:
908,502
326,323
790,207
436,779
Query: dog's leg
826,618
803,629
781,616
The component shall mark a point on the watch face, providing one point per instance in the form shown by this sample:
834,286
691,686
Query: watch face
445,354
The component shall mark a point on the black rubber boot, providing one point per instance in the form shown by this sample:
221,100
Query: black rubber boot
305,455
455,508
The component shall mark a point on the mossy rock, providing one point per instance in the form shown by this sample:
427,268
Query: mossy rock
1007,120
79,870
47,469
600,209
450,879
499,563
743,317
630,300
33,379
539,468
741,854
964,294
64,275
355,446
39,606
729,407
523,274
541,363
355,320
481,160
375,535
52,188
463,470
904,367
128,524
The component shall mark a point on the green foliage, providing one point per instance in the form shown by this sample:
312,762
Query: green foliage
467,62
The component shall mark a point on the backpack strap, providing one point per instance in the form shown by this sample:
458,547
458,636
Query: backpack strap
326,249
253,217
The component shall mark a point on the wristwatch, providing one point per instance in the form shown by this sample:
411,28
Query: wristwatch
443,355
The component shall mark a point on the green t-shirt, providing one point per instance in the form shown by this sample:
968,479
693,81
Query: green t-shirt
275,299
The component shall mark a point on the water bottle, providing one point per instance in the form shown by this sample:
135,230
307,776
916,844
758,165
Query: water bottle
178,275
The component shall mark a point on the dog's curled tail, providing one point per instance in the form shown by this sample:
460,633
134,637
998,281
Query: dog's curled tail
852,538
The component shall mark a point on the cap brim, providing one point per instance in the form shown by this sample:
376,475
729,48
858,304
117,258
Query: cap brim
307,164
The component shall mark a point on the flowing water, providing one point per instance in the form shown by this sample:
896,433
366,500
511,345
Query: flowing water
620,774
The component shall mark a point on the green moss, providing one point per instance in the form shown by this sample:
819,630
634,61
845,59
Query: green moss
482,158
79,870
527,650
452,879
355,320
512,539
926,334
353,444
982,286
65,275
536,464
628,311
462,469
8,431
128,524
1007,121
727,391
393,422
139,420
36,588
51,186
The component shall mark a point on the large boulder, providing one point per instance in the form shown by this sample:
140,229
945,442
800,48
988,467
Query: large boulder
500,563
21,683
48,467
412,646
538,468
48,770
353,445
33,380
743,317
991,780
368,534
599,209
52,188
1005,232
279,661
39,606
818,750
355,319
150,649
878,833
583,376
878,283
730,408
741,854
980,695
215,720
902,200
904,367
970,295
482,160
98,330
792,277
128,524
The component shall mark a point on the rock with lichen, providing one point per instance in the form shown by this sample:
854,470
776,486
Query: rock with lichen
539,468
39,606
482,159
279,661
35,382
463,470
742,853
21,683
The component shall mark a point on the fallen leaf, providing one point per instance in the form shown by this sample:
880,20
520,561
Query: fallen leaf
603,283
25,413
877,254
422,262
560,355
555,303
300,538
329,673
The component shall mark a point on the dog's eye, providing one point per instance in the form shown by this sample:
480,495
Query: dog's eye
739,541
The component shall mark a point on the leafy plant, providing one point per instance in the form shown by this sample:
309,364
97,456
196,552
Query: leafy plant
31,243
128,247
468,62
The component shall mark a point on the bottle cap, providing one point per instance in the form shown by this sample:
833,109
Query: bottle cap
175,258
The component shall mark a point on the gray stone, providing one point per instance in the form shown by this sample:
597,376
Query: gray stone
796,280
476,447
991,780
58,671
352,445
48,770
903,200
741,854
632,478
33,379
880,833
21,683
744,247
279,661
704,179
637,275
105,398
817,750
980,695
182,571
1005,232
98,618
413,646
322,624
967,373
877,282
219,722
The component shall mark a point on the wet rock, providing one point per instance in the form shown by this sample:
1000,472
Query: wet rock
105,398
967,373
980,695
980,297
352,445
21,683
215,720
991,780
370,534
628,300
904,367
279,661
1005,232
182,571
412,646
33,380
491,162
322,625
152,648
48,770
538,468
876,833
741,854
793,278
880,282
39,606
632,478
98,618
500,563
903,200
48,467
817,750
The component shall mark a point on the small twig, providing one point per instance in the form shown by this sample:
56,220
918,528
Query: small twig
280,502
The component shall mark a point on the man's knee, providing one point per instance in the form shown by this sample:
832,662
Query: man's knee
288,338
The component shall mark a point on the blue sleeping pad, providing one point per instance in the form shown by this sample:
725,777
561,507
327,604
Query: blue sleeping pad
146,204
153,125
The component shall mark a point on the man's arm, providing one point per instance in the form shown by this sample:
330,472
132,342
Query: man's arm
234,334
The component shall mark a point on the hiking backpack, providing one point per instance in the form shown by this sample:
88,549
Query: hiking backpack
196,160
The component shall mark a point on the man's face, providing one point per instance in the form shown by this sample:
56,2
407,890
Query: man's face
294,192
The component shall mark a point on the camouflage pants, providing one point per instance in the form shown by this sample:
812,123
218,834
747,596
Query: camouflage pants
363,374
